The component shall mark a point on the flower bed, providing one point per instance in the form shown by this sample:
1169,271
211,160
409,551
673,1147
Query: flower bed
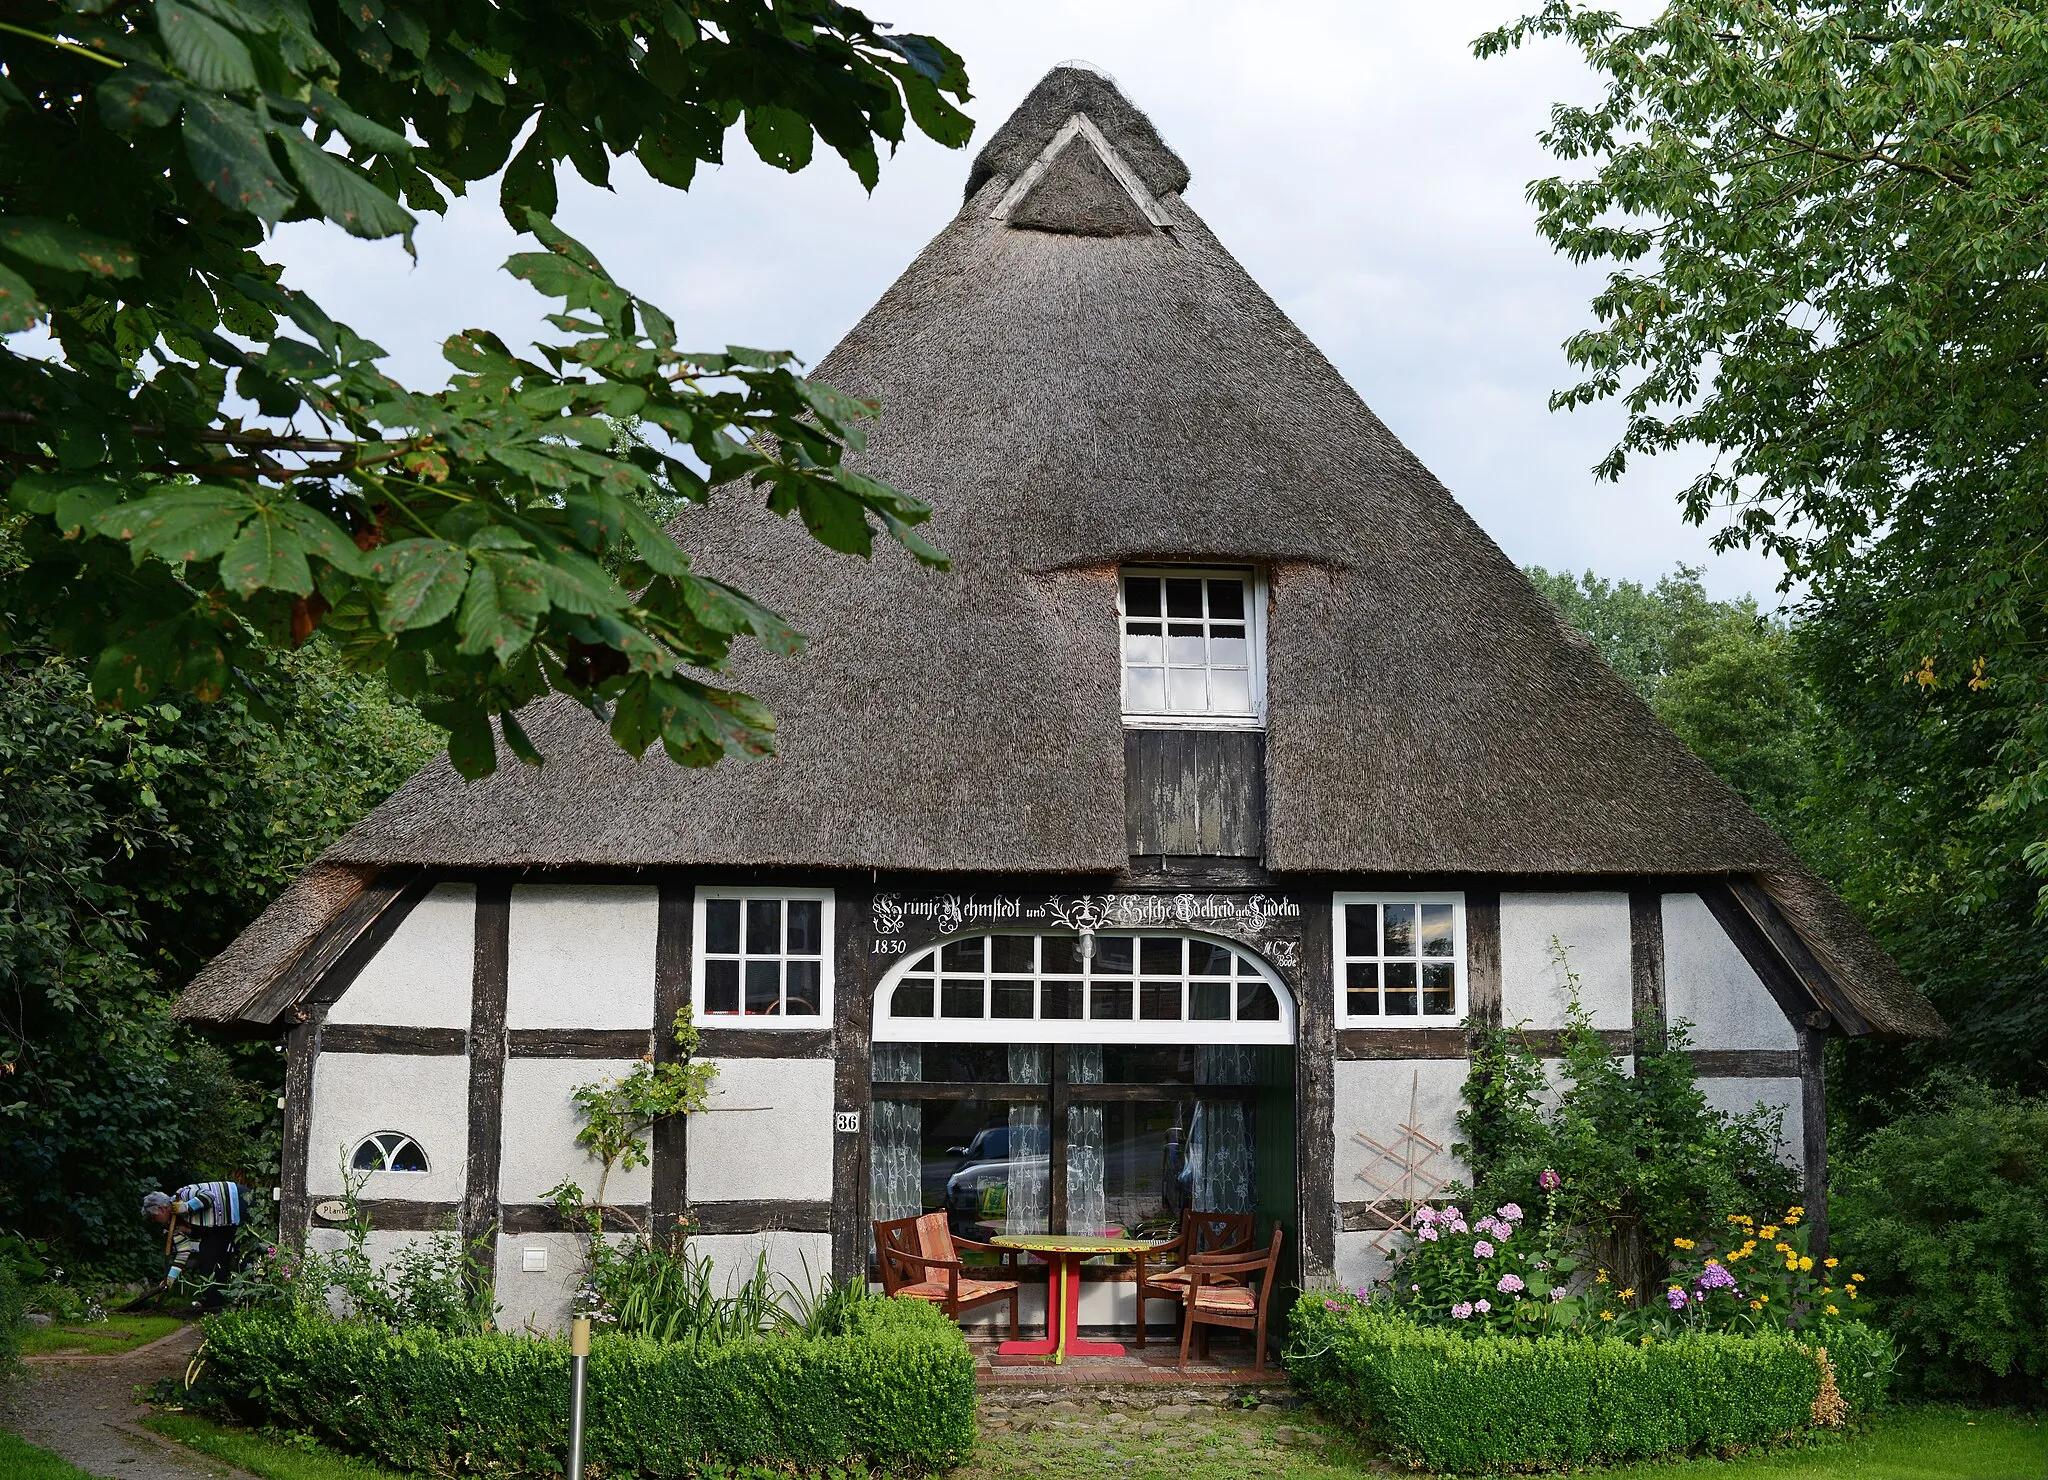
1462,1401
895,1392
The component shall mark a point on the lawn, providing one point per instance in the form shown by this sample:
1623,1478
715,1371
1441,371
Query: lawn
111,1337
21,1460
1273,1444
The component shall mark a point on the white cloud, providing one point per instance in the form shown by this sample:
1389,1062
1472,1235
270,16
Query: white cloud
1355,156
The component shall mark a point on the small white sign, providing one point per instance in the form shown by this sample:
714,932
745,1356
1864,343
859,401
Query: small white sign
534,1258
847,1121
334,1210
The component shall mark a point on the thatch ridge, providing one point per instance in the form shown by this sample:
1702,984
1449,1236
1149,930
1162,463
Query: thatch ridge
1067,402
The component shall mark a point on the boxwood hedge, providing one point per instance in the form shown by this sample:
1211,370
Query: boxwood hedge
1466,1404
896,1393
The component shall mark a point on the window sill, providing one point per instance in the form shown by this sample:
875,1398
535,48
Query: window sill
1194,722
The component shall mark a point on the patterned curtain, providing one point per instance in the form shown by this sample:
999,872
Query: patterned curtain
895,1184
1220,1139
1029,1203
1087,1194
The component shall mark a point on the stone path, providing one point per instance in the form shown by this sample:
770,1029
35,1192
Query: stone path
85,1410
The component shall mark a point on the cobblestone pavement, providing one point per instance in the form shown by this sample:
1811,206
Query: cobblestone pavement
85,1410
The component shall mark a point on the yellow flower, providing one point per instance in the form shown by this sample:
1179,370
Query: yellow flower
1628,1294
1831,1263
1834,1311
1601,1277
1850,1290
1857,1278
1805,1263
1713,1261
1764,1298
1795,1212
1756,1305
1606,1315
1827,1289
1681,1243
1791,1222
1769,1230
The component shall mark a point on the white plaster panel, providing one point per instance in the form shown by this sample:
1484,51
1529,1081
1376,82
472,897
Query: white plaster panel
765,1134
421,976
581,956
381,1247
424,1095
1359,1262
1593,928
804,1259
1739,1096
1709,985
540,1126
1373,1097
538,1303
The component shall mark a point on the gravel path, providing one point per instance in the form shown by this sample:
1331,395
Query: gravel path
85,1410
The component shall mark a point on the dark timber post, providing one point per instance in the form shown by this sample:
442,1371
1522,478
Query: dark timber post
301,1049
852,1074
1482,955
487,1076
1315,1092
1646,964
672,947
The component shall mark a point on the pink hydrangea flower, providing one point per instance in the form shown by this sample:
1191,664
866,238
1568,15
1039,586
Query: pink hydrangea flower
1482,1250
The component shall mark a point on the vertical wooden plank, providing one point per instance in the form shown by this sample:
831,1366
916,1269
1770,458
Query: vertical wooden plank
852,1077
1056,1112
1180,794
1141,788
301,1052
672,948
487,1076
1315,1101
1482,955
1813,1117
1646,963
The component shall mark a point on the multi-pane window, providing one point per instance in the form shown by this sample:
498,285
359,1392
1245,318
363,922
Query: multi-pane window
1102,988
1192,647
1400,957
763,954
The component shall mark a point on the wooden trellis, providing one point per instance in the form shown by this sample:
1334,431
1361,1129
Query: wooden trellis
1401,1179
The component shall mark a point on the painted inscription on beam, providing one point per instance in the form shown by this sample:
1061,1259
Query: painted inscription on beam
1268,923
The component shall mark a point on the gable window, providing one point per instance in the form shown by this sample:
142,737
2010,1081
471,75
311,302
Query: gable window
1193,648
388,1151
763,955
1400,959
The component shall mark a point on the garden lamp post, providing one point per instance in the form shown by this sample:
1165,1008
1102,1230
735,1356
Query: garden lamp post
579,1365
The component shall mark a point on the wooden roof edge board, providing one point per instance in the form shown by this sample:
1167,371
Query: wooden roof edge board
1786,939
1795,998
266,998
268,945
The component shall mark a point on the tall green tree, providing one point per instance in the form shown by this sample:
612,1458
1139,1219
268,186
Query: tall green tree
214,468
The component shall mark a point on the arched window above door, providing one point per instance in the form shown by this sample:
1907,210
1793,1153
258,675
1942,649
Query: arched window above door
1043,988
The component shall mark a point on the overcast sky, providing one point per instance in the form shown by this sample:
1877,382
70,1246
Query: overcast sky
1364,167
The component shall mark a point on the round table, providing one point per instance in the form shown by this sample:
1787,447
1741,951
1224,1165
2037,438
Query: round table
1064,1252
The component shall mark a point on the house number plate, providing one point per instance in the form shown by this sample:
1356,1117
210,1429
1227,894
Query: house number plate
847,1121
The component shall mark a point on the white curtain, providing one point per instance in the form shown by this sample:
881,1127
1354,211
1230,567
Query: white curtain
1087,1195
896,1163
1220,1140
1029,1203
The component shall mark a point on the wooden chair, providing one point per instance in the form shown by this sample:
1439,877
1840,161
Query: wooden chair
1200,1233
920,1260
1213,1303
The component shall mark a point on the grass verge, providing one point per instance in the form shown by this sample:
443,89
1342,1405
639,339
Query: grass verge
111,1337
21,1460
272,1456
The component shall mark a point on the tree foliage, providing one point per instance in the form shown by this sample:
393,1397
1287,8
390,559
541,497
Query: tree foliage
215,467
1823,228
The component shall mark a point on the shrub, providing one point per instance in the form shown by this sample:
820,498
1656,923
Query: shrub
896,1391
1462,1403
1947,1209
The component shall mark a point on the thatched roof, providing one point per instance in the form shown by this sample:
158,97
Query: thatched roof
274,940
1075,373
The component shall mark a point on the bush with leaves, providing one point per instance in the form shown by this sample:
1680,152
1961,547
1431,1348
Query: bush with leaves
482,545
1947,1208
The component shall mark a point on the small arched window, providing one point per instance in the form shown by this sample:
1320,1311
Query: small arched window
389,1151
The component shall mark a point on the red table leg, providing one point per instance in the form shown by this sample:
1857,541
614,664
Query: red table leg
1049,1347
1070,1330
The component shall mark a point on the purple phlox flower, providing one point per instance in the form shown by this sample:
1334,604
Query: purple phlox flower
1482,1250
1426,1233
1462,1311
1541,1265
1425,1215
1452,1215
1415,1289
1492,1228
1331,1305
1510,1284
1715,1277
1675,1297
1364,1293
1482,1306
1510,1211
1457,1225
1558,1293
1549,1181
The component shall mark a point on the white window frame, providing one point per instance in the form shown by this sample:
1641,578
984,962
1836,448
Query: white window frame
891,1029
1255,641
770,1022
384,1152
1341,957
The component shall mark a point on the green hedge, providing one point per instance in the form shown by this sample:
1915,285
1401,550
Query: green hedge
895,1393
1464,1403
